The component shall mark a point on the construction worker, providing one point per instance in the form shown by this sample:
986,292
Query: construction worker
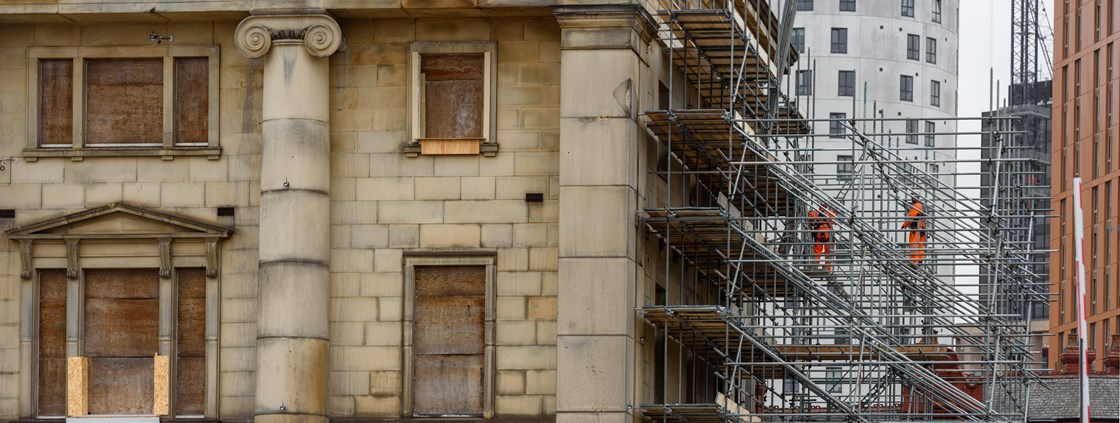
916,223
820,223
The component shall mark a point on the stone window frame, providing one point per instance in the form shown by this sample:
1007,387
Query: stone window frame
488,146
411,259
78,252
168,149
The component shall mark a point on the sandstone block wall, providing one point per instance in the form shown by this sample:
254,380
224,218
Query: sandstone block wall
383,203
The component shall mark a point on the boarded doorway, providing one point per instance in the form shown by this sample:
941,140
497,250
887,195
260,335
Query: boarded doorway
121,337
449,340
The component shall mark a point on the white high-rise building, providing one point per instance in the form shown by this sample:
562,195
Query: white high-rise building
892,59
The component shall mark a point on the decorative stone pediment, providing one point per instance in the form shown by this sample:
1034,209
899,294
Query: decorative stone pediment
121,222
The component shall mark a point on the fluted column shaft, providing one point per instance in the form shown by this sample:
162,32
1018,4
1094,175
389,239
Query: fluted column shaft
292,323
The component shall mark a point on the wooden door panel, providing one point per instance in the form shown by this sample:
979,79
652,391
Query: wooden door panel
52,343
449,325
449,316
52,386
450,280
190,386
122,327
120,385
121,336
190,366
447,385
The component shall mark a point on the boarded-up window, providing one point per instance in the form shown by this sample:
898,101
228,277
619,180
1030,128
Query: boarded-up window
190,365
52,343
56,102
121,337
449,313
124,101
192,100
452,95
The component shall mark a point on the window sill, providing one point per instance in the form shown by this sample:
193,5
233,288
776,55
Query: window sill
450,147
78,154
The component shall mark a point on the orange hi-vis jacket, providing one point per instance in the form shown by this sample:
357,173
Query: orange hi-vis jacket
820,221
917,226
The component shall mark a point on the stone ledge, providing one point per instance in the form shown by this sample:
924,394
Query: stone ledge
77,154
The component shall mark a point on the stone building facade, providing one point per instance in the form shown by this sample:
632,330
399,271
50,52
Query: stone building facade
248,209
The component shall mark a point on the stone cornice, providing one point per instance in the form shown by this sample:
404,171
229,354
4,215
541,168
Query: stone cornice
604,26
320,33
606,16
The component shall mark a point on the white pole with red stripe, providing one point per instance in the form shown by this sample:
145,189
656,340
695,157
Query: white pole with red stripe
1079,262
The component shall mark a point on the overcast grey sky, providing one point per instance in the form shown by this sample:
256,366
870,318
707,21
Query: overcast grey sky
985,50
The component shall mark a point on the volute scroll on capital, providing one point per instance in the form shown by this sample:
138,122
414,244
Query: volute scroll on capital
320,33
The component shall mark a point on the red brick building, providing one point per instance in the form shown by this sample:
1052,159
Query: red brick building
1086,134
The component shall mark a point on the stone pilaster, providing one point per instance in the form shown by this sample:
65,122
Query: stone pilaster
292,322
603,72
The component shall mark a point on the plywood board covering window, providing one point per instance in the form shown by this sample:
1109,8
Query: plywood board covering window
449,340
56,102
121,337
453,95
52,343
124,101
190,365
191,102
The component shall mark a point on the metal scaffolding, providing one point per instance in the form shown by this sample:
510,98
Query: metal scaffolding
757,326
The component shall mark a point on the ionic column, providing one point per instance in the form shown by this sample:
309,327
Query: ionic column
603,74
292,324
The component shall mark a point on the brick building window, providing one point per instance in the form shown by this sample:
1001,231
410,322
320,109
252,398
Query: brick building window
451,97
104,103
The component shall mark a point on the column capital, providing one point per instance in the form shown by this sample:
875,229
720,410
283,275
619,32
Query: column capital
320,33
604,26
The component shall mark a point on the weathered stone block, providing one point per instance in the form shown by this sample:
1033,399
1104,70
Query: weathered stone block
349,383
383,333
385,383
519,283
450,236
351,260
596,296
387,260
437,188
591,373
477,188
540,382
510,382
497,235
385,189
515,332
528,357
542,308
410,212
